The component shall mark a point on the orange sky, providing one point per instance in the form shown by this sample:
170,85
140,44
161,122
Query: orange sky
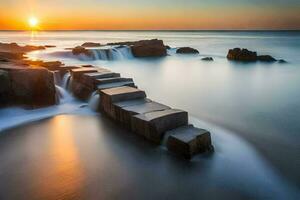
145,15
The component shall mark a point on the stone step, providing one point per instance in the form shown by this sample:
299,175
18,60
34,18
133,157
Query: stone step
112,80
114,85
125,113
76,73
153,125
98,75
188,140
117,94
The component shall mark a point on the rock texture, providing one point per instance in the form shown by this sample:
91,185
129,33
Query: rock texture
32,87
145,48
248,56
207,59
91,44
187,141
81,50
187,50
153,125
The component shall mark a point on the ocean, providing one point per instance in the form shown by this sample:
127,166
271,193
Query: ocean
251,109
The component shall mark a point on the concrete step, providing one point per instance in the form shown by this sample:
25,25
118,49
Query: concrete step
188,140
125,113
114,85
153,125
118,94
112,80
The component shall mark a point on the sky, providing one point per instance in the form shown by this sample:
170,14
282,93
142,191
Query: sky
151,14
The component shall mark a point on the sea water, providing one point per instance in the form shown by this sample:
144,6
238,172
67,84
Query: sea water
257,102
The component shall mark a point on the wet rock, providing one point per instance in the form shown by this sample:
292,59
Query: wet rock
77,72
188,140
50,46
91,44
153,125
116,84
141,106
11,56
242,55
32,87
149,48
14,47
266,58
207,59
110,96
168,47
145,48
187,50
5,88
81,50
282,61
112,80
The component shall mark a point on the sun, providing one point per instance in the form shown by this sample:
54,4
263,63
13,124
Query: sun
33,22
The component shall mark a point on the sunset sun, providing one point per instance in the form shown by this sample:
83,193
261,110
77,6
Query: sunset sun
33,22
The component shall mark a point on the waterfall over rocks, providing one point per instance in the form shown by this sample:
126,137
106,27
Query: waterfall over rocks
94,101
112,53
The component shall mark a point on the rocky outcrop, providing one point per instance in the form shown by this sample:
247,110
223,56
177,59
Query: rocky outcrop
187,50
149,48
145,48
241,55
81,50
207,59
14,47
31,87
245,55
91,44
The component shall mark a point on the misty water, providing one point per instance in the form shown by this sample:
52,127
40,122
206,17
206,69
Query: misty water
252,111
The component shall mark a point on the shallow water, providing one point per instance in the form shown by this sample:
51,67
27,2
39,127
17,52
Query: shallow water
84,157
258,102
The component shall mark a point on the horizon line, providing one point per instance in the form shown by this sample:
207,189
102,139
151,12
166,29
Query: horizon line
162,30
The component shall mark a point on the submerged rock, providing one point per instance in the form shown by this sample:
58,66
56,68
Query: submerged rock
187,50
14,47
266,58
281,61
207,59
91,44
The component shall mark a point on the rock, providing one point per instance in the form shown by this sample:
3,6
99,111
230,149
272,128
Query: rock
145,48
282,61
266,58
77,72
91,44
116,84
5,88
187,50
241,55
125,113
112,80
207,59
81,50
15,48
11,56
33,87
110,96
49,46
187,141
153,125
167,47
149,48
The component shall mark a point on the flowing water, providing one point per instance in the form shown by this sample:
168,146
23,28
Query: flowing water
252,110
